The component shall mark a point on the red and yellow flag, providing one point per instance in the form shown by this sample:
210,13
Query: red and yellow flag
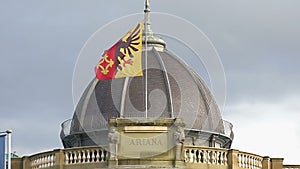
124,58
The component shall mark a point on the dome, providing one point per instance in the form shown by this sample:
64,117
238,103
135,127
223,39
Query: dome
172,90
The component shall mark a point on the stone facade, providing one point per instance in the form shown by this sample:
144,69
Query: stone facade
144,143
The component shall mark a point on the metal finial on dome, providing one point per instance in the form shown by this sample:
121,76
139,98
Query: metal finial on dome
147,29
149,38
147,6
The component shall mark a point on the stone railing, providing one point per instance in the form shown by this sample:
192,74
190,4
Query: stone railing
42,160
219,156
65,157
85,155
206,155
193,157
291,166
248,160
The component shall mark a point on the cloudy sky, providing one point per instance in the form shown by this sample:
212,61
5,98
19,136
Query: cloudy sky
258,43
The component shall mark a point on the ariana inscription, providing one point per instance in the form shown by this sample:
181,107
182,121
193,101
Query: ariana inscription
145,142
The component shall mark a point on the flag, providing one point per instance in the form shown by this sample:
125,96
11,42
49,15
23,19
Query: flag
123,59
2,152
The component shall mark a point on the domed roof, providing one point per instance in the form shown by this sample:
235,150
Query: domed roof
171,88
174,91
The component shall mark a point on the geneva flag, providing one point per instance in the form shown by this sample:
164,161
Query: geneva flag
2,152
124,58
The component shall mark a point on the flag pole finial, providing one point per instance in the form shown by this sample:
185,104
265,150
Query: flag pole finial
148,35
147,6
147,29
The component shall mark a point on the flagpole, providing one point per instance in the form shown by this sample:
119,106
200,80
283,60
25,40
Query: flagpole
147,10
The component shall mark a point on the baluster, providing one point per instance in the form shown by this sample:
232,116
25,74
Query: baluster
239,160
260,163
212,157
66,157
71,157
100,155
93,156
42,162
221,158
46,160
97,155
75,157
255,161
105,155
218,157
205,156
226,158
54,159
50,160
196,156
242,160
83,156
252,162
35,163
38,162
209,156
191,155
186,155
88,156
246,161
78,156
201,156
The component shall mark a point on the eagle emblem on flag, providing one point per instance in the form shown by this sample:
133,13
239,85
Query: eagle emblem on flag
124,58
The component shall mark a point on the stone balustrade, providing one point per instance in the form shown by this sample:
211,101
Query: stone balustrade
64,157
206,155
42,160
193,157
85,155
219,156
250,161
